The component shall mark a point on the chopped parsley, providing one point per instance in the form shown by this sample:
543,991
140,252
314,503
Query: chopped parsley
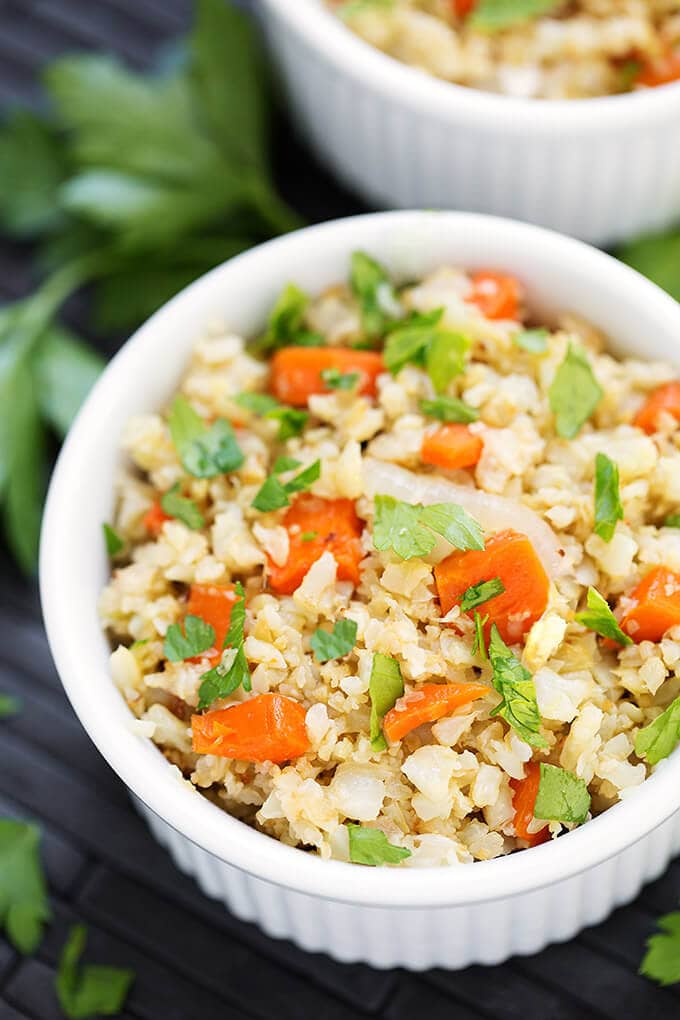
478,594
282,464
233,671
662,960
408,529
574,393
534,341
91,989
114,543
337,380
340,641
183,509
285,326
656,741
291,420
23,894
371,846
479,644
495,15
309,536
205,451
608,506
515,684
672,521
385,687
562,796
449,409
273,494
9,706
422,341
197,638
375,293
599,617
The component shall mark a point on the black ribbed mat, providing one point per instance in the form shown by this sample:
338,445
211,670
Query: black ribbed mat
192,959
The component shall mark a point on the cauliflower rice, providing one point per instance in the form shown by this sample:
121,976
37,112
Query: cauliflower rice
572,50
460,787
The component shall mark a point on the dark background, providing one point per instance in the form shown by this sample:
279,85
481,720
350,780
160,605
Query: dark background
193,960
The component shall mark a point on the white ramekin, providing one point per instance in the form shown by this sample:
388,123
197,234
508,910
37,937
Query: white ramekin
600,169
417,918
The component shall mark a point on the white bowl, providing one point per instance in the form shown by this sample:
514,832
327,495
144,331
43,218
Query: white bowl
601,169
479,912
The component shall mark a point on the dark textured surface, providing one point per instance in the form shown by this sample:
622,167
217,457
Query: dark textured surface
192,958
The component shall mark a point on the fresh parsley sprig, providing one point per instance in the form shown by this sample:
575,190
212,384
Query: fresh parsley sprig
24,909
661,962
372,847
515,684
197,637
496,15
608,505
562,796
599,617
204,450
340,641
656,741
422,340
181,508
449,409
408,529
291,420
373,289
478,594
90,989
385,687
574,393
273,494
224,678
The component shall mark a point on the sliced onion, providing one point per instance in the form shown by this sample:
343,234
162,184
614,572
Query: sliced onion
494,513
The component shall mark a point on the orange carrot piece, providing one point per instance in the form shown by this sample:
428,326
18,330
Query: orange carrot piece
525,792
154,519
510,556
463,7
315,525
428,703
656,606
296,371
267,727
213,603
660,72
497,295
451,447
665,398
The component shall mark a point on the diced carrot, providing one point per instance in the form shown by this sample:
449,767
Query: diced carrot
497,295
428,703
451,447
656,606
212,602
463,7
510,556
315,525
155,518
296,371
267,727
525,792
665,398
660,72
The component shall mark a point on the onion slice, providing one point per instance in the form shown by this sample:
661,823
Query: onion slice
494,513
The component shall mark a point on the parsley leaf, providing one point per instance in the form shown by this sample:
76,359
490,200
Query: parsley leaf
32,167
574,393
599,617
662,960
608,506
114,543
308,536
273,494
445,357
9,706
282,464
23,894
479,645
337,380
672,521
285,326
656,256
375,293
407,528
233,672
65,372
656,741
478,594
371,846
291,420
336,644
205,451
449,409
185,510
515,684
535,341
495,15
421,340
198,637
92,989
385,687
562,796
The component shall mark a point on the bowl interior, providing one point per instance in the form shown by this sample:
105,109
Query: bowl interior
559,274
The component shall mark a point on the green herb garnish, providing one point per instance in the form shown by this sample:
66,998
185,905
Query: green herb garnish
656,256
291,420
408,528
9,706
340,641
515,684
183,509
672,521
656,741
371,846
204,450
479,644
114,543
282,464
308,536
375,293
535,341
599,617
337,380
222,680
608,506
197,638
385,687
495,15
449,409
574,393
562,796
92,989
285,326
662,960
23,894
273,494
422,341
478,594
